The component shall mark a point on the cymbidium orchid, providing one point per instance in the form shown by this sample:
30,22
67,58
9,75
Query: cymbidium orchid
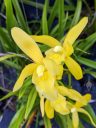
64,107
78,108
44,71
60,104
62,52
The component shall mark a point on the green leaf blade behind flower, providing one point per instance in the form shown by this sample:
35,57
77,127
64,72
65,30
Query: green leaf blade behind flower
21,20
77,13
18,118
30,103
11,20
87,62
47,122
44,18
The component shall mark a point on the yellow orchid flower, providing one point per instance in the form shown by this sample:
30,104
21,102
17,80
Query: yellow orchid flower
62,52
59,105
77,108
44,71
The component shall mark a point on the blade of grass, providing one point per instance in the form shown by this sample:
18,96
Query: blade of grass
86,62
30,103
77,13
40,6
18,118
20,16
6,41
2,58
11,64
53,13
44,18
47,122
61,16
87,43
11,20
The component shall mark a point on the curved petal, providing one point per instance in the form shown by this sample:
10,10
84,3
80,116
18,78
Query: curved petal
45,39
59,72
60,105
71,93
27,71
26,44
45,85
68,49
50,66
53,68
81,110
75,119
83,101
42,105
75,31
57,57
74,68
49,110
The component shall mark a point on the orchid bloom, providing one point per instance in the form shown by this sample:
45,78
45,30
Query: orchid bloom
44,71
60,104
77,108
62,52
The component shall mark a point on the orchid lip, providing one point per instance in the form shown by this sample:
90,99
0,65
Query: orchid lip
40,70
73,110
57,49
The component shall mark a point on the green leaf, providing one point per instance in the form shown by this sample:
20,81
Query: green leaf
2,58
61,120
11,20
20,16
55,29
11,64
80,125
87,43
86,62
47,122
6,40
61,16
91,112
69,122
53,13
92,73
18,118
77,13
44,18
24,88
30,103
8,95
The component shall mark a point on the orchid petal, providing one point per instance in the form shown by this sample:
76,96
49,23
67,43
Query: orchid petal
26,44
83,101
60,105
75,31
27,71
50,66
75,119
45,39
42,105
68,49
72,94
45,85
49,110
56,57
74,68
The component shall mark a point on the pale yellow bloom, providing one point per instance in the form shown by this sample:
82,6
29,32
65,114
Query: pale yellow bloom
78,108
62,52
44,71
